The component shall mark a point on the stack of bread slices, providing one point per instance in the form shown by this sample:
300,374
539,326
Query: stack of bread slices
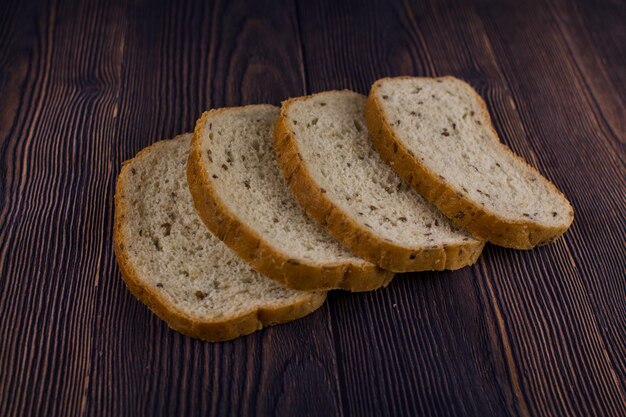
251,219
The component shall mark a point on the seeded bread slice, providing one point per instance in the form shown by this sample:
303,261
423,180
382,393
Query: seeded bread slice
437,134
174,265
242,197
326,156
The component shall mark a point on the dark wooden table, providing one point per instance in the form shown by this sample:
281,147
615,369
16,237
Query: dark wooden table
84,85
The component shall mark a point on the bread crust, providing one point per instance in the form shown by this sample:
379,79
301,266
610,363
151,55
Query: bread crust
228,328
262,256
357,238
461,210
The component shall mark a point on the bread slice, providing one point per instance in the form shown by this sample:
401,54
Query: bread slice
242,197
437,134
326,156
174,265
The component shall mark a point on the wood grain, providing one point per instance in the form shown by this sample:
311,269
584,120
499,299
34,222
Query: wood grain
604,25
595,244
210,56
85,85
61,89
452,40
411,318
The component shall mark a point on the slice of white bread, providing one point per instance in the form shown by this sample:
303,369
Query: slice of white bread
326,156
242,197
174,265
437,134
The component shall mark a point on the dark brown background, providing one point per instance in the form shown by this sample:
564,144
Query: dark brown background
85,85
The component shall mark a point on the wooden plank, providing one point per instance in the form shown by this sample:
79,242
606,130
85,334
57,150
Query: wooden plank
574,307
58,96
604,25
449,38
427,344
600,87
558,109
181,59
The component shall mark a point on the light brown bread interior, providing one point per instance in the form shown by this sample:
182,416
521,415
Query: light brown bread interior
326,156
241,195
174,265
437,134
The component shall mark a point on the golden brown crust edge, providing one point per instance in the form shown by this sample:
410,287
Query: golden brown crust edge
257,252
462,211
359,240
214,331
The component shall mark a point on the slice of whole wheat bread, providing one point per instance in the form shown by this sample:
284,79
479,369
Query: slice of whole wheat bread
174,265
242,197
437,134
326,156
